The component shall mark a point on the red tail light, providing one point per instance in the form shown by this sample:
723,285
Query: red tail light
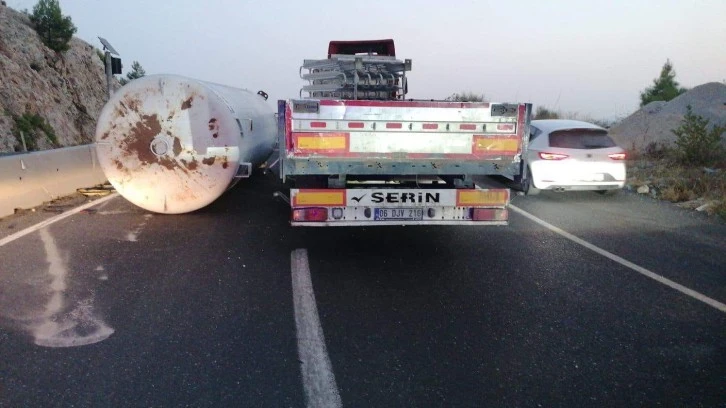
552,156
489,214
617,156
310,214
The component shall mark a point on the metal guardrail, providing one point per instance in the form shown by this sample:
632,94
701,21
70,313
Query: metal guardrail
30,179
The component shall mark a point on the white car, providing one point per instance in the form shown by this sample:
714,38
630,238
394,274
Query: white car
565,155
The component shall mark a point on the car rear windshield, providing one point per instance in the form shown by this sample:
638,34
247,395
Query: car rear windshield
581,139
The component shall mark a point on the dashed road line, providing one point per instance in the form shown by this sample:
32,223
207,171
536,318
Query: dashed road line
652,275
317,372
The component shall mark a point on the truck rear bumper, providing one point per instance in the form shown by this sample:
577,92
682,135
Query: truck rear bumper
398,206
395,223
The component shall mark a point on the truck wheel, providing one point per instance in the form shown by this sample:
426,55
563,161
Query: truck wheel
528,187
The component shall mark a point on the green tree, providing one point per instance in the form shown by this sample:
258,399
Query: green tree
33,127
664,88
55,29
466,97
696,143
137,71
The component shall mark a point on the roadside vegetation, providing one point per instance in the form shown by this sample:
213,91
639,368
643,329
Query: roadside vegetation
137,71
32,127
466,97
691,172
664,88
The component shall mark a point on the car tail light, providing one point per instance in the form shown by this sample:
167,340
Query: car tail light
617,156
489,214
552,156
310,214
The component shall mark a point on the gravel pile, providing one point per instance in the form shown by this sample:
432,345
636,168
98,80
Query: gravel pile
654,121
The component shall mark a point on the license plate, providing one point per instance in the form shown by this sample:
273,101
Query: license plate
398,214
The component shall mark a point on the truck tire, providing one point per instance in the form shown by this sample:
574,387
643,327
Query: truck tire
528,186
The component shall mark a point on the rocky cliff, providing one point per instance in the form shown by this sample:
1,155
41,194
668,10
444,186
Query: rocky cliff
66,90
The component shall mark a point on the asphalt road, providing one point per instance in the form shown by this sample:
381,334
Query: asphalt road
118,307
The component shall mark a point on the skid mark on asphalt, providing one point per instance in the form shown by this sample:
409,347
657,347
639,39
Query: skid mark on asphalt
317,372
622,261
57,327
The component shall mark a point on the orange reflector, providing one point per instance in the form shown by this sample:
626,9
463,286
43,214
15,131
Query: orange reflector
333,142
310,214
496,145
489,214
319,197
472,198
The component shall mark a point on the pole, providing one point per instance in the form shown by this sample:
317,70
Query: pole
109,75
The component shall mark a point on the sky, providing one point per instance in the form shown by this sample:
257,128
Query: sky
578,57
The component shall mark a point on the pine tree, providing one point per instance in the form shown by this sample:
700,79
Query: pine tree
696,143
55,29
137,71
664,88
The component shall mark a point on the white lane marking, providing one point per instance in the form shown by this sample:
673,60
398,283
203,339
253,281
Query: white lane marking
317,372
686,291
53,328
133,236
49,221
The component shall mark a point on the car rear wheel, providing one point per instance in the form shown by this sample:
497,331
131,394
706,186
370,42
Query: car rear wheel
608,192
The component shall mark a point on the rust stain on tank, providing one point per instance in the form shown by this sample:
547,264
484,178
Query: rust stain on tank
187,104
133,105
215,135
177,146
171,164
193,165
105,136
118,164
212,123
140,138
209,161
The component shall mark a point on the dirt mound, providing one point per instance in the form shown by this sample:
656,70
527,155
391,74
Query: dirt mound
654,121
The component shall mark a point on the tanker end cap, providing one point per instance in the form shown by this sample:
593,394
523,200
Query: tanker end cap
172,145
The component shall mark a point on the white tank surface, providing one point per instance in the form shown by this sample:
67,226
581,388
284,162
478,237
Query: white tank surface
171,144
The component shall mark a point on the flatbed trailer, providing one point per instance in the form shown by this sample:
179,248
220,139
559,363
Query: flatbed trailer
368,162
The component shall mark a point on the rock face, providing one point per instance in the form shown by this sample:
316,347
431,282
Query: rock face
68,90
654,121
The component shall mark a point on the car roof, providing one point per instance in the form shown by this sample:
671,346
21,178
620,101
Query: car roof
551,125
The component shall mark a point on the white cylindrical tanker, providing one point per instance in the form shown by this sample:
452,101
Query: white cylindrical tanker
171,144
